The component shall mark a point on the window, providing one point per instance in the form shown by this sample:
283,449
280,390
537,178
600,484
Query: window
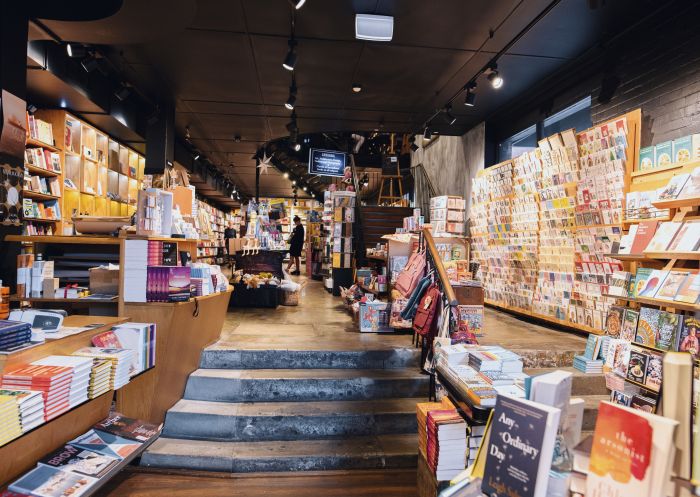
518,144
577,116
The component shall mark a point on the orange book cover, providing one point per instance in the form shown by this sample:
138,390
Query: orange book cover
621,454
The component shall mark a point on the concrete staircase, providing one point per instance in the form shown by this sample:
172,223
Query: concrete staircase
259,411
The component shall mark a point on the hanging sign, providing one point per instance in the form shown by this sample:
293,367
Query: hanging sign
327,163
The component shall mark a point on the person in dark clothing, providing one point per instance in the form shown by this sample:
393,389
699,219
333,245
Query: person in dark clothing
229,233
296,243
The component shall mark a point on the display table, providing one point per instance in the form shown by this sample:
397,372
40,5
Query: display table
183,330
265,296
264,261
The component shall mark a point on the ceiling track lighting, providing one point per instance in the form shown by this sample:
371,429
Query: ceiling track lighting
449,117
297,4
427,135
291,59
297,147
470,95
76,50
196,156
89,63
356,87
291,101
494,76
123,92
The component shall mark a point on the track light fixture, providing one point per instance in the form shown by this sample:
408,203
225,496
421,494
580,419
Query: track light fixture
494,77
292,125
297,147
305,189
294,182
470,96
297,4
196,156
75,50
291,59
31,108
449,117
89,63
123,92
427,135
356,87
291,101
286,175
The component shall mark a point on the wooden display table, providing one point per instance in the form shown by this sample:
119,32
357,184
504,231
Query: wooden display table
183,330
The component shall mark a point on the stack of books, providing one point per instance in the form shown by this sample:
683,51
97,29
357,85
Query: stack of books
588,366
10,427
422,410
476,436
139,337
121,362
590,361
81,366
31,407
14,335
53,382
496,359
447,443
100,377
135,264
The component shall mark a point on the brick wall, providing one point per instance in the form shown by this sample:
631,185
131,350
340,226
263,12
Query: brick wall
658,65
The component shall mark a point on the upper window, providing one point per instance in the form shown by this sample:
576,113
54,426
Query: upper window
518,144
577,116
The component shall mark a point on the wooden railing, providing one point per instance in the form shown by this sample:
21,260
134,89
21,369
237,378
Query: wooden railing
434,262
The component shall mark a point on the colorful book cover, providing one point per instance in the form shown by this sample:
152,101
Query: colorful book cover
44,481
654,372
133,429
690,336
645,232
622,358
640,280
687,239
663,154
682,149
670,326
648,326
689,290
663,237
106,443
106,339
692,186
637,366
674,187
621,454
613,321
656,279
671,285
646,158
629,325
77,460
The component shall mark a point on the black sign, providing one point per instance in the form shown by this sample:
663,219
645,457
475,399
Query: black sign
327,162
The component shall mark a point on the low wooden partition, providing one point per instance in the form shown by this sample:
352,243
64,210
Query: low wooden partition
183,330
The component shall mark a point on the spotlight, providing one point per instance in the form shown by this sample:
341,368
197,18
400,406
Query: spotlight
286,175
292,125
294,182
297,4
449,117
75,50
494,77
31,108
291,59
291,102
356,87
414,147
305,189
122,93
196,157
297,147
427,135
470,96
89,63
237,138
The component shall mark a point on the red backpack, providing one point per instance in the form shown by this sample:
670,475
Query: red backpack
411,274
424,320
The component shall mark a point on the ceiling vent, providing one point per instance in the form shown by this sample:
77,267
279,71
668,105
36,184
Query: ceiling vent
374,28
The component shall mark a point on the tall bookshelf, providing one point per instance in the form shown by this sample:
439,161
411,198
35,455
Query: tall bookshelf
542,224
98,176
212,223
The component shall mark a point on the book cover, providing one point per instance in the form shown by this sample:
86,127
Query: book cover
640,280
44,481
520,448
133,429
106,443
646,158
663,154
629,325
688,237
670,326
637,366
690,339
689,291
622,358
673,282
645,232
682,149
648,326
692,186
81,461
106,339
656,279
663,237
620,455
613,321
653,375
674,187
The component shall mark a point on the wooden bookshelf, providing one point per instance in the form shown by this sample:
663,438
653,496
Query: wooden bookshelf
671,304
77,240
31,142
87,300
40,171
38,195
688,256
677,203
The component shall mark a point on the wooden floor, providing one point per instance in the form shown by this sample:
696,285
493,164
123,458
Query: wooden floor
375,483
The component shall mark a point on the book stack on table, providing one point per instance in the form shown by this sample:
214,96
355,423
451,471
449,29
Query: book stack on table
81,366
54,382
10,426
31,407
121,359
14,335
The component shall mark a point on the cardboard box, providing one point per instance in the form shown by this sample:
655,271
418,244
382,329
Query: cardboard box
104,280
50,286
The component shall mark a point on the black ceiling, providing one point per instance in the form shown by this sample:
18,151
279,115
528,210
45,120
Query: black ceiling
221,62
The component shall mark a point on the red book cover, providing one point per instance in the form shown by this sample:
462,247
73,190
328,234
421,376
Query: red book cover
106,340
644,234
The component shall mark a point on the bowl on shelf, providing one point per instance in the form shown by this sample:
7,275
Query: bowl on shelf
100,225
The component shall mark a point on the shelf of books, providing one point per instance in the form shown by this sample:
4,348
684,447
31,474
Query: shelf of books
542,225
211,223
72,168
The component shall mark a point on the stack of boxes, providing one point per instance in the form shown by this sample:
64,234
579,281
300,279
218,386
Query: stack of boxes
447,215
35,278
343,220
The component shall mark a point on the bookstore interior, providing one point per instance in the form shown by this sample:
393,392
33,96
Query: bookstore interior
462,259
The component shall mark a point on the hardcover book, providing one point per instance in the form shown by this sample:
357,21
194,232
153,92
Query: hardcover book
691,188
645,232
690,336
613,321
654,373
629,325
640,280
133,429
689,290
688,237
637,366
520,448
81,461
106,443
673,282
670,327
648,326
656,279
663,236
44,481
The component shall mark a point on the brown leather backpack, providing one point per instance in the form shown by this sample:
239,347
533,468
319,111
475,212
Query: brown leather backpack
424,320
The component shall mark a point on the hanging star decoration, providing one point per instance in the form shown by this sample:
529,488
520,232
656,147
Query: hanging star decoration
265,163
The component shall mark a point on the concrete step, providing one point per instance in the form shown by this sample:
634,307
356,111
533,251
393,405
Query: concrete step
259,421
217,358
375,452
590,410
297,385
582,384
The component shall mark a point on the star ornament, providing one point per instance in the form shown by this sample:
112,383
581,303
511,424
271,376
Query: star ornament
265,164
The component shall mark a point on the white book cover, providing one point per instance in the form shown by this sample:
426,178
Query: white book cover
692,186
687,239
133,339
663,236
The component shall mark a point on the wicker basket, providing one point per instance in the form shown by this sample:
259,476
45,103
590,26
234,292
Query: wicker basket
289,298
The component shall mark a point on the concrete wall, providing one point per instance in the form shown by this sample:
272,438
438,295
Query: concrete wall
450,162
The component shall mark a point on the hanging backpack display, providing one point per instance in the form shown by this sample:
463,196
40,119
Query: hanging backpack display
424,320
411,274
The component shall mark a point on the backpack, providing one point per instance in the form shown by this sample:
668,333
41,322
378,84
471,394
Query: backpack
424,320
411,274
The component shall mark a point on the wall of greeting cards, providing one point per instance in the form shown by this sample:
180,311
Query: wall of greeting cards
543,224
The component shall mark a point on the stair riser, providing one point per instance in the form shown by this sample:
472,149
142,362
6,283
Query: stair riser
588,385
200,426
290,359
283,390
589,418
305,463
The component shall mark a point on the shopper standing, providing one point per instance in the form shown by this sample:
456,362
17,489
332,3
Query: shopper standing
229,233
296,243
